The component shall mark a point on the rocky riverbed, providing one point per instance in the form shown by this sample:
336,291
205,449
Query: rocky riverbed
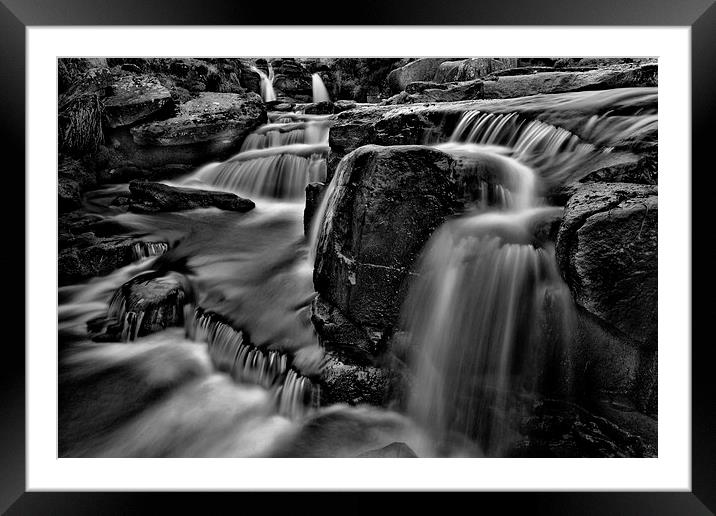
189,268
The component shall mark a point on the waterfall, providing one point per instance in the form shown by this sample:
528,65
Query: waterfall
320,93
267,91
276,161
232,352
488,316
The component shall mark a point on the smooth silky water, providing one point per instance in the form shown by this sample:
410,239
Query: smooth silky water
488,318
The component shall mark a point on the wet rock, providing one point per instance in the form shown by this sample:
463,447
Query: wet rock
73,178
387,203
319,108
338,334
154,197
85,256
132,98
292,79
313,200
450,92
343,382
561,429
418,123
146,304
475,68
607,253
211,117
343,105
393,450
68,195
423,69
557,82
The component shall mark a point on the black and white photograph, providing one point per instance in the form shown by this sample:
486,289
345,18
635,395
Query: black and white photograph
357,257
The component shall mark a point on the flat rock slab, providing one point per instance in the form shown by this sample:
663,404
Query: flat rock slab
134,98
558,82
153,197
211,117
607,253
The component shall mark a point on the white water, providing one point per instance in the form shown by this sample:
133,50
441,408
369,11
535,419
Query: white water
320,93
267,91
489,312
276,161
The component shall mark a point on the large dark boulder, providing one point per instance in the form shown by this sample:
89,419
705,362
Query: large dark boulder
607,253
153,197
386,203
313,201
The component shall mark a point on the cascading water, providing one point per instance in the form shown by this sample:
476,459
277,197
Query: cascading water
489,314
320,93
276,161
267,91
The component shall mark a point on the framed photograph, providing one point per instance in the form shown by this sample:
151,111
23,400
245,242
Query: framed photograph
272,255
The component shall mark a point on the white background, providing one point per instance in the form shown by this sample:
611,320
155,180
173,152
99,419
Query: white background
670,471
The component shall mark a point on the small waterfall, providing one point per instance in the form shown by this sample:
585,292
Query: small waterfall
232,352
276,161
320,93
145,312
488,316
267,91
147,249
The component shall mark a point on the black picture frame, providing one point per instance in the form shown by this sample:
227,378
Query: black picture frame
700,15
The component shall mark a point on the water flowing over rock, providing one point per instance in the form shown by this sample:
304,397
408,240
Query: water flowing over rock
208,126
399,195
153,197
607,248
146,304
276,161
466,268
320,93
86,256
231,351
267,91
623,119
